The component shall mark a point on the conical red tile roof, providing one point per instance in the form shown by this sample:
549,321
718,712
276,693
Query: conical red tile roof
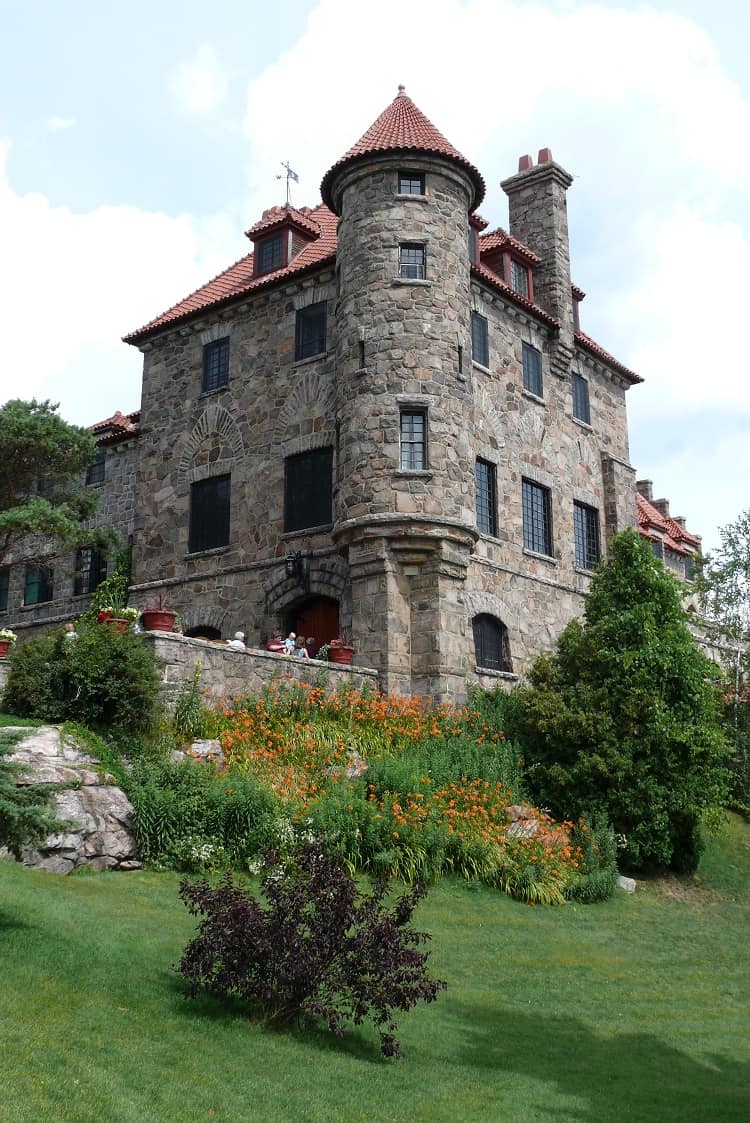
402,128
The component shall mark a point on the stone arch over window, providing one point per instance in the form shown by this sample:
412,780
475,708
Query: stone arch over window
490,439
491,643
203,619
215,426
309,402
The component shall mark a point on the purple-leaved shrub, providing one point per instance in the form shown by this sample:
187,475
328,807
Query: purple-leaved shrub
317,946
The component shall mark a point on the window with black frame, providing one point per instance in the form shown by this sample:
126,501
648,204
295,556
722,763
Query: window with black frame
491,643
96,469
537,518
586,531
4,586
532,370
411,183
581,404
270,253
38,586
215,365
308,489
90,570
413,424
310,331
486,492
411,261
209,513
519,278
480,345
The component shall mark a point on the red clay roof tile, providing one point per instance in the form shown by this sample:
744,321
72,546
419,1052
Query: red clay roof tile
500,239
402,127
591,345
280,216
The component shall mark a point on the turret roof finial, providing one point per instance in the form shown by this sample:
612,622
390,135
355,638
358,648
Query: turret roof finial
401,90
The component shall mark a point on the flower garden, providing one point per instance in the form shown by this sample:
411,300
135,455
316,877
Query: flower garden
393,785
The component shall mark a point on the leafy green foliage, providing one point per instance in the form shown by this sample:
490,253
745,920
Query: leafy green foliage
25,814
102,679
621,720
37,445
319,947
192,717
188,817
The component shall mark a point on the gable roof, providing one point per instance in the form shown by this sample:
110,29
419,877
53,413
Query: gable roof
402,127
669,531
116,428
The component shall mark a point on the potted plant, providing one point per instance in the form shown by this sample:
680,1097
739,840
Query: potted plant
157,618
7,637
340,650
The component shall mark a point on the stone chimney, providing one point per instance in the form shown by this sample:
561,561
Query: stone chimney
645,488
538,217
662,506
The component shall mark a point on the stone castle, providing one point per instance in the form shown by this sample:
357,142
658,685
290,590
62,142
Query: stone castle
385,422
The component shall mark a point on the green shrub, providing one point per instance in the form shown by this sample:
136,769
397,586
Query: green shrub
192,717
621,720
597,874
102,679
25,813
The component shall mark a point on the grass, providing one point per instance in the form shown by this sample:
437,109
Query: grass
631,1011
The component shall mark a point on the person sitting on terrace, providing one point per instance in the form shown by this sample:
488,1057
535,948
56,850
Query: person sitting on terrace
238,643
300,651
289,643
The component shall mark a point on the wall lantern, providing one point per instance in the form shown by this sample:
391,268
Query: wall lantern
296,569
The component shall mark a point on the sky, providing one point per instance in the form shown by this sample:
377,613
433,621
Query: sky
139,141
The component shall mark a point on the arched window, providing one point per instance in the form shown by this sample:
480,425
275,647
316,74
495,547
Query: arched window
491,643
203,631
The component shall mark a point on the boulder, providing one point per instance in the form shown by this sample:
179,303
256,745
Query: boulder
96,828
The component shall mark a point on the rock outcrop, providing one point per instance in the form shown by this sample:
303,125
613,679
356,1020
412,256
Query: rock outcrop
97,815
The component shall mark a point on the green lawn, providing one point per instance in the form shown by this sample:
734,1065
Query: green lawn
632,1011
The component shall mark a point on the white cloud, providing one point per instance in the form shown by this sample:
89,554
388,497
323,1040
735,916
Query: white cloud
73,284
200,85
55,124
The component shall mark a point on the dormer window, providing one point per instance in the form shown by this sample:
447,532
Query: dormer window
411,183
270,253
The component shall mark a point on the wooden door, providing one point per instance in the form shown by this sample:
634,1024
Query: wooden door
318,617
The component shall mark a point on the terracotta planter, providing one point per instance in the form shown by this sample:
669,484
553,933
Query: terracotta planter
158,619
117,624
4,648
342,655
103,616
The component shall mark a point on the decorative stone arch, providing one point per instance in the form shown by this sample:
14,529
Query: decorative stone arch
488,421
315,294
311,399
327,578
211,616
489,604
215,422
531,428
216,331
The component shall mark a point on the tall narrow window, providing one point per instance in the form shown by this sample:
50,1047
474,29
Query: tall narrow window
586,529
532,370
491,643
519,278
209,513
581,407
310,334
308,489
4,583
537,518
413,440
38,585
215,365
688,562
270,253
657,548
411,183
95,470
480,347
90,571
486,487
411,261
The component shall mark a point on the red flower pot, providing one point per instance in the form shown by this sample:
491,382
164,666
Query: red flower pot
117,624
342,655
103,616
158,619
4,647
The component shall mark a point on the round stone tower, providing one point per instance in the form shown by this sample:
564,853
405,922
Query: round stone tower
404,496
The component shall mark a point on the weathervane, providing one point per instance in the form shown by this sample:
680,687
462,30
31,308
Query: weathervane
289,176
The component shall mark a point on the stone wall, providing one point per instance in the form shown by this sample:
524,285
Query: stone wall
228,674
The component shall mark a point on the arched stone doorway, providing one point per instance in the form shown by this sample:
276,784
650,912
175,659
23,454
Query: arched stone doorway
315,616
203,631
